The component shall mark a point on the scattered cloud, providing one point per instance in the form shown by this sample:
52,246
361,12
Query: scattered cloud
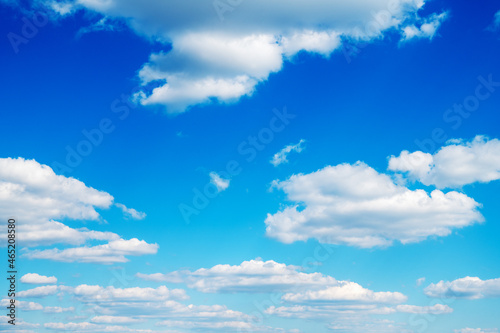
427,29
420,281
457,164
34,278
42,291
355,205
131,212
219,182
467,287
281,156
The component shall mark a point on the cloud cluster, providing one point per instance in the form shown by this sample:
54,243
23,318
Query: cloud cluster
34,278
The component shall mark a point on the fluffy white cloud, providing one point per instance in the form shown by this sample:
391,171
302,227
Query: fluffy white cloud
90,327
58,309
221,51
281,156
467,287
114,251
427,29
434,309
254,276
454,165
36,196
345,292
34,278
131,212
219,182
356,205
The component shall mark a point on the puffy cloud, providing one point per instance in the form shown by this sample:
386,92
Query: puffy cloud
219,182
467,287
346,292
114,251
281,156
34,278
37,196
222,52
454,165
131,212
427,29
355,205
254,276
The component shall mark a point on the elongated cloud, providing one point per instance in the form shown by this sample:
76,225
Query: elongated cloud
355,205
467,287
282,156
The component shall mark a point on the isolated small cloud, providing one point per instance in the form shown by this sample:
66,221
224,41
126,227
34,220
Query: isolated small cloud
281,156
420,281
219,182
476,330
34,278
131,212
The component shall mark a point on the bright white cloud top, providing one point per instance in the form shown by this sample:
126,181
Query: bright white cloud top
219,182
355,205
221,51
457,164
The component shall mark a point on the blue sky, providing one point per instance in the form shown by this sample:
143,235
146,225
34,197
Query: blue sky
350,152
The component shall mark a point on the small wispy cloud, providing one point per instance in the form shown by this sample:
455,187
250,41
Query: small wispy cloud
282,156
221,183
131,212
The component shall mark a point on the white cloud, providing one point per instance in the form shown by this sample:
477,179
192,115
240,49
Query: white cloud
496,22
114,251
477,330
90,327
219,55
355,205
111,294
114,320
427,29
346,292
131,212
254,276
420,281
26,306
281,156
34,278
58,309
454,165
219,182
434,309
467,287
37,197
42,291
